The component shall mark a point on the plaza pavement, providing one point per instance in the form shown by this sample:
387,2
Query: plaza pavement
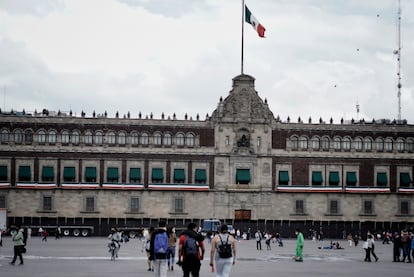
79,257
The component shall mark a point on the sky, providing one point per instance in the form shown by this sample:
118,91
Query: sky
319,59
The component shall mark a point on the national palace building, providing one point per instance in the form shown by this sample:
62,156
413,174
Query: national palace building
241,164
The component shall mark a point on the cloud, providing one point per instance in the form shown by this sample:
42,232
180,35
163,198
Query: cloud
31,7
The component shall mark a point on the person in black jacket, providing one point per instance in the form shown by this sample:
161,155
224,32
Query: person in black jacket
191,262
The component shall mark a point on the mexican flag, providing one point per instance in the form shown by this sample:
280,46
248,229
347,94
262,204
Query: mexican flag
249,18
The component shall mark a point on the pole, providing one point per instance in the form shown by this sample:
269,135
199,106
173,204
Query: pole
242,38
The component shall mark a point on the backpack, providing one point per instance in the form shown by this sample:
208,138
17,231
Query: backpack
190,247
161,243
224,249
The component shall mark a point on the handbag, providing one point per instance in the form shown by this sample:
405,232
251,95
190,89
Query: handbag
23,250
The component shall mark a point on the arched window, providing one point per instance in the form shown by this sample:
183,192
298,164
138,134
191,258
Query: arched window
75,137
357,144
303,143
111,138
336,143
379,143
121,138
52,137
65,137
367,144
99,138
167,139
179,139
144,139
346,143
18,136
4,136
157,139
325,143
41,137
388,144
190,140
88,137
399,144
294,142
315,143
409,145
134,138
28,136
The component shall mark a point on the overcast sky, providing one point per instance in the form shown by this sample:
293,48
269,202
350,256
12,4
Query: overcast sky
319,58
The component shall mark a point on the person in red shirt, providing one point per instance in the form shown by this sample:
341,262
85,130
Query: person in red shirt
190,251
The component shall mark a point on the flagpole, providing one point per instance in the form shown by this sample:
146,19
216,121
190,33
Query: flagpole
242,38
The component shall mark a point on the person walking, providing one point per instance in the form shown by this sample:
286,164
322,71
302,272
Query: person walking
147,246
159,248
300,241
18,245
371,244
223,252
45,234
191,251
258,237
114,242
172,241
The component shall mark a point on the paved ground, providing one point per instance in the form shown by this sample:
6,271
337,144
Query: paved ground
89,257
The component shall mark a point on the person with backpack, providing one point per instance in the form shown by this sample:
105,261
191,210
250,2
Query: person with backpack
223,252
159,249
190,250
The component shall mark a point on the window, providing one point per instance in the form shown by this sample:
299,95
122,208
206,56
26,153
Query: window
200,176
3,173
48,174
405,179
157,139
134,138
317,178
112,175
18,136
75,137
24,173
178,205
283,178
99,138
337,144
180,139
346,144
351,178
47,203
52,137
190,140
3,203
334,178
379,144
111,138
121,138
134,205
358,144
399,144
333,206
135,175
88,137
325,143
28,137
388,145
303,143
4,136
90,204
179,175
409,145
157,175
259,141
299,207
65,137
227,140
243,176
367,144
382,179
294,143
41,136
315,143
144,139
368,207
405,207
90,174
167,139
69,174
